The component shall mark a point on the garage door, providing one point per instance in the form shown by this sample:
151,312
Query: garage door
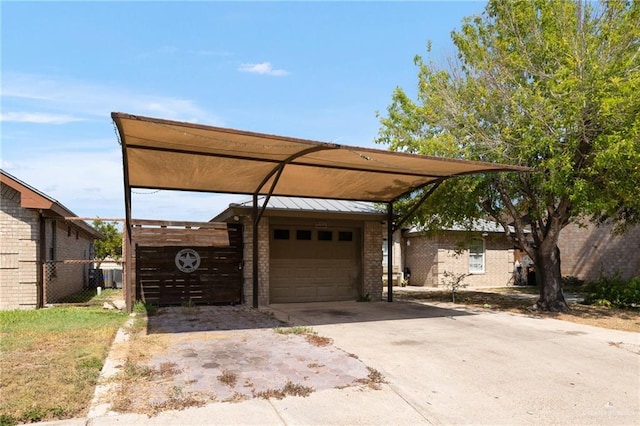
313,265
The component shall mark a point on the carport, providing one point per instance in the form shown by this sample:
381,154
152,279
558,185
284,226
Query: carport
170,155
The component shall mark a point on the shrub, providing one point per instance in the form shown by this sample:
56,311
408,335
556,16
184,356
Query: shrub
614,291
571,281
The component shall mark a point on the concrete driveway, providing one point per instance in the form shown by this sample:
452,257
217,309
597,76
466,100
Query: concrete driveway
456,366
445,364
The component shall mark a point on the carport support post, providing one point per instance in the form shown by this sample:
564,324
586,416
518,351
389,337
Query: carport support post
255,220
390,252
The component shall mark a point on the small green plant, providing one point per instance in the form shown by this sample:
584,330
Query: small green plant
404,282
294,330
454,282
144,308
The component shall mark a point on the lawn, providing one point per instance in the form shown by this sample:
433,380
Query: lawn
50,360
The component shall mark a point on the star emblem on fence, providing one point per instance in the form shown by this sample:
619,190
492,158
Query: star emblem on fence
187,260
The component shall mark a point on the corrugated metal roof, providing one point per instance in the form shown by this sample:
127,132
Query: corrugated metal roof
314,204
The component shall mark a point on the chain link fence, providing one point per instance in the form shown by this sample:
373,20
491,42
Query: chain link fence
78,282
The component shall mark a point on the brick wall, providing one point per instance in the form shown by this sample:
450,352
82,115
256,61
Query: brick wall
429,257
372,261
20,251
263,261
19,233
593,251
68,242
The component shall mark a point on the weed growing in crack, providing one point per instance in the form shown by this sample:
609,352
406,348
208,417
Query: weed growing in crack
169,369
309,334
289,388
316,340
374,379
132,371
294,330
236,397
228,378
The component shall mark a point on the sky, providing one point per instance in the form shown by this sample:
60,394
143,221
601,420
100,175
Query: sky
310,70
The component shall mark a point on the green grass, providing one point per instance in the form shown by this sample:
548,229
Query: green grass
90,296
294,330
50,360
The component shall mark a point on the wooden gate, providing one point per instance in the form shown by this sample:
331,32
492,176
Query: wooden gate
191,274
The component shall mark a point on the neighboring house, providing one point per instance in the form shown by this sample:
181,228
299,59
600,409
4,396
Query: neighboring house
589,252
484,254
33,231
312,250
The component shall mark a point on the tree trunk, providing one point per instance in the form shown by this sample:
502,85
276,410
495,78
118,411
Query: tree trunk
549,280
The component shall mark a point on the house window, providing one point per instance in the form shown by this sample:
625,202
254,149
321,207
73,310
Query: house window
53,242
385,252
476,257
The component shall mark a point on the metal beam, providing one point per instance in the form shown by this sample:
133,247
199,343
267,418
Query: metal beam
254,265
417,204
390,252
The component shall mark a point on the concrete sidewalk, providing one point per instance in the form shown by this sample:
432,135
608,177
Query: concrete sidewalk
445,364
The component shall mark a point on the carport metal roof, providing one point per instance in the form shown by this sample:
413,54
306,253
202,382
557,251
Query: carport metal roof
171,155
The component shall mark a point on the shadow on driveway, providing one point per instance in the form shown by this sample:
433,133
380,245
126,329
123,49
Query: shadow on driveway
181,319
318,313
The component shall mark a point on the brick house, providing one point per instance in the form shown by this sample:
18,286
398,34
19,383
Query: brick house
33,231
484,253
589,252
312,250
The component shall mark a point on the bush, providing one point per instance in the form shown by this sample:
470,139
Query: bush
571,281
614,291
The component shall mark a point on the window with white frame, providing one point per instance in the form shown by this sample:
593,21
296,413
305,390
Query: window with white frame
476,257
385,252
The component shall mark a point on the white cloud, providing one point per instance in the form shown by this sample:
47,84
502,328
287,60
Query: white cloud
38,118
263,68
90,184
193,206
81,100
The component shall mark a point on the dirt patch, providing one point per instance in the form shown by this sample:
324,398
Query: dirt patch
522,301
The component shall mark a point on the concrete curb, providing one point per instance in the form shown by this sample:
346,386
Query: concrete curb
100,404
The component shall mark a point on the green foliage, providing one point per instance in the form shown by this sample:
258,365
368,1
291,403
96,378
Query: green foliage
111,244
294,330
548,84
614,291
144,308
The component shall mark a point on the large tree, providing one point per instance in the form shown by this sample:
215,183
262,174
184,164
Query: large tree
111,244
550,84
